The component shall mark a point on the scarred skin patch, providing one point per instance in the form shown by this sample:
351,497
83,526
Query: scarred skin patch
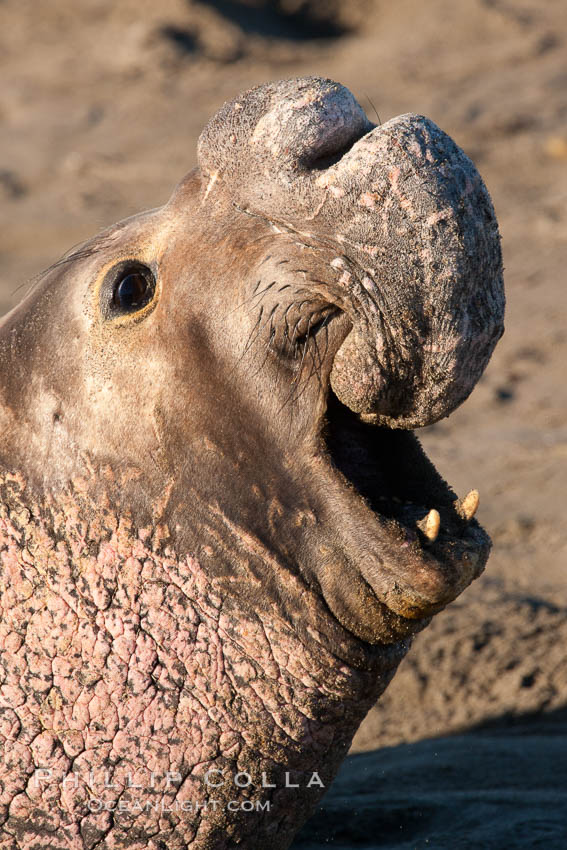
128,674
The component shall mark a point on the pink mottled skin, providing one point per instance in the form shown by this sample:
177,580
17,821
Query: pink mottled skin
119,661
215,523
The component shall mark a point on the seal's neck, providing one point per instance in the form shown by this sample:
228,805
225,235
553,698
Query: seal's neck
146,682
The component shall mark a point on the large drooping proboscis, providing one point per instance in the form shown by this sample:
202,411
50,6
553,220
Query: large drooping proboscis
218,533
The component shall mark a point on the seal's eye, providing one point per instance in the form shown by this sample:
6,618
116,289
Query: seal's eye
131,291
131,287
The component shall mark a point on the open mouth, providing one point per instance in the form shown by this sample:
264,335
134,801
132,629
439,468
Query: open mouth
404,545
416,545
392,473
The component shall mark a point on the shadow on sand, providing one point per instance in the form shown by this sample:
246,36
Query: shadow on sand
271,18
275,20
302,21
502,785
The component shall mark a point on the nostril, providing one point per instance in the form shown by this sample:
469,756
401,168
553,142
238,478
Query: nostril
319,161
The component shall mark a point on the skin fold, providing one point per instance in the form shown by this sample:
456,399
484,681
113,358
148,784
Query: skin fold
212,556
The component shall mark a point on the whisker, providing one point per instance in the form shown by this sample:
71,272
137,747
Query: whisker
80,252
375,110
249,340
254,295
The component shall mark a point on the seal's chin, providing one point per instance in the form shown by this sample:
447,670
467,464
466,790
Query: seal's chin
415,544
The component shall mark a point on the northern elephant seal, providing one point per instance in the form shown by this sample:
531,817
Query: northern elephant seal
218,533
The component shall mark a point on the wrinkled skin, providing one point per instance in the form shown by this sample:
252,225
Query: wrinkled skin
208,505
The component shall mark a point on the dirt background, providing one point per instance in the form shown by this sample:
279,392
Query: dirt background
101,104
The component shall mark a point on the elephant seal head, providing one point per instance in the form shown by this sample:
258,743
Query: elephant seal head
249,359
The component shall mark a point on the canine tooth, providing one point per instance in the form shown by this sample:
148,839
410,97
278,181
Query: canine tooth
429,525
467,507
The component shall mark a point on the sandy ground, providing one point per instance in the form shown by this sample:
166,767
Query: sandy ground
100,107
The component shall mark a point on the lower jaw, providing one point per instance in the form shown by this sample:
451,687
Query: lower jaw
357,608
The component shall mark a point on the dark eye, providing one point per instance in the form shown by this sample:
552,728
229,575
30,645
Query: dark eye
133,289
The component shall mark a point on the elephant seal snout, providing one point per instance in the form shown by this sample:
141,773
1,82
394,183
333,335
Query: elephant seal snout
217,532
415,232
